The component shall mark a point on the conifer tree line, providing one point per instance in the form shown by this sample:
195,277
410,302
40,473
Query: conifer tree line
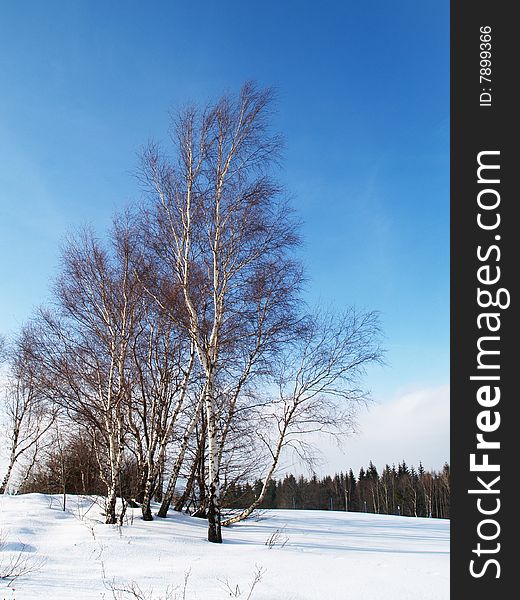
178,344
404,491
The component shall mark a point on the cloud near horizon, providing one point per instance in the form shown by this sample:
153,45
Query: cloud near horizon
413,426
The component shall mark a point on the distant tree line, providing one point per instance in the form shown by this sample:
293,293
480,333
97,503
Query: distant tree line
400,490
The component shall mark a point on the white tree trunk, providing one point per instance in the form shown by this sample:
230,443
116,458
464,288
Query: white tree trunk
168,495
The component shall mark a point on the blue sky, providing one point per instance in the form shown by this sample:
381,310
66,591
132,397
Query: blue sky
363,92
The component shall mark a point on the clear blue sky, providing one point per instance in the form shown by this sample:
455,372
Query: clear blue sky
363,104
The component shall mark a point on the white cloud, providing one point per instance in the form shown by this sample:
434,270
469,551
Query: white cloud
414,426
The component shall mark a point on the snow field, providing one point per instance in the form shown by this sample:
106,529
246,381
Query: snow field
314,555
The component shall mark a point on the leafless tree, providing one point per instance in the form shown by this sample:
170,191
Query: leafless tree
28,418
163,365
223,235
179,345
81,346
185,439
318,387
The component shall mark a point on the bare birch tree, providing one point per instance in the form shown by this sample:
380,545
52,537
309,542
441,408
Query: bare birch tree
28,418
223,233
163,365
82,346
318,385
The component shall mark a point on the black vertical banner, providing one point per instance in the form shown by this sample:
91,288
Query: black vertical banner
485,267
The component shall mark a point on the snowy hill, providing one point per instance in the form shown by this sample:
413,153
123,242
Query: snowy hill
312,555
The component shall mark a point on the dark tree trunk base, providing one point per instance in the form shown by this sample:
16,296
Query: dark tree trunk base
214,528
110,513
163,512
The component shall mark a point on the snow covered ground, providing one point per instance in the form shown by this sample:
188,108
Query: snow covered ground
315,555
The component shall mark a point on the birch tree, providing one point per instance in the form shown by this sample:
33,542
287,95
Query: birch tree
28,418
162,363
319,383
82,344
223,233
